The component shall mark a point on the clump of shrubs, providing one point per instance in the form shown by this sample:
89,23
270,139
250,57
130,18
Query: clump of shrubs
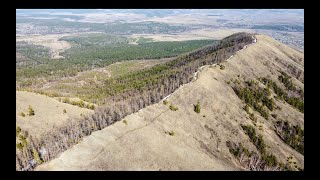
291,135
253,118
255,97
246,108
18,130
173,108
171,133
286,81
79,103
66,100
238,149
268,159
37,157
23,141
22,114
274,116
19,146
165,102
197,108
31,111
296,102
89,106
260,127
256,140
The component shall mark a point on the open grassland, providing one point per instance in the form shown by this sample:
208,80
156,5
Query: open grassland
48,112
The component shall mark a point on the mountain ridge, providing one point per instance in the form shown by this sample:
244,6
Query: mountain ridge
157,138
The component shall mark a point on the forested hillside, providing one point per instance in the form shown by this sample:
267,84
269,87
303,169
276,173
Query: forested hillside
34,66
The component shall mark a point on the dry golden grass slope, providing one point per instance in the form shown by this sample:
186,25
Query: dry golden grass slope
139,141
48,112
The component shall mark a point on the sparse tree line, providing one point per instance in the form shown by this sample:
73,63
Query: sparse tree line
295,72
128,94
258,98
31,112
296,100
256,161
291,135
252,160
77,103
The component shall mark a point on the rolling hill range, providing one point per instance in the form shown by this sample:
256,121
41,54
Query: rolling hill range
245,112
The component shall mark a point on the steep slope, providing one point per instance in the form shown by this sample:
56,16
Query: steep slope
49,112
157,138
